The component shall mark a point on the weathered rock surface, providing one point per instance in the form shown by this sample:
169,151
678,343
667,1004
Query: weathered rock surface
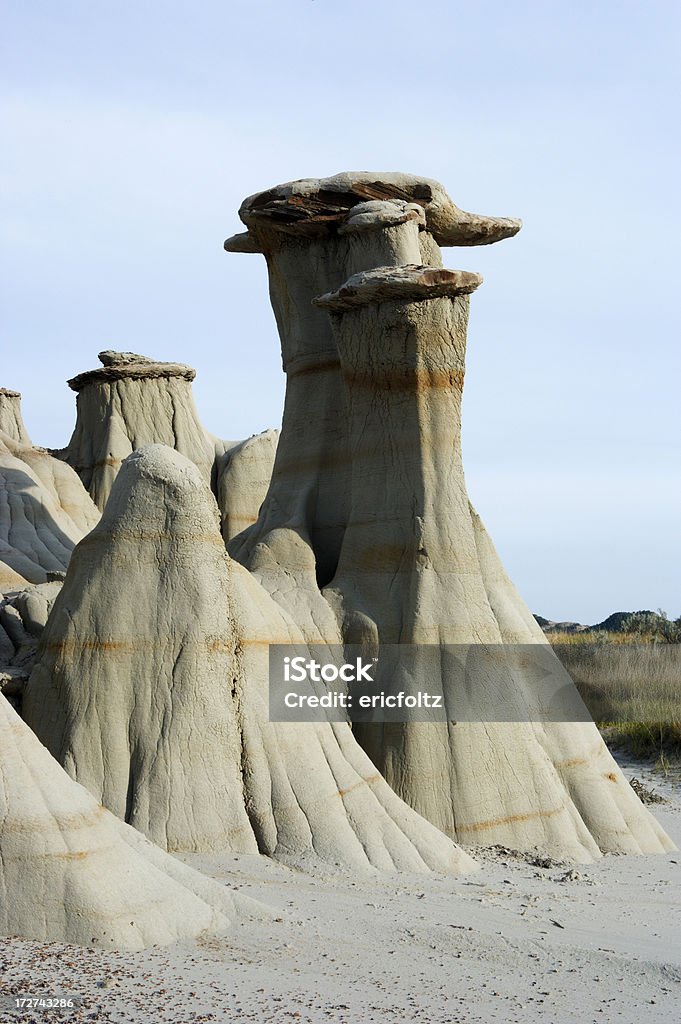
70,871
44,509
151,681
132,401
11,420
10,580
317,205
128,402
160,705
23,616
242,478
314,235
372,504
417,567
146,721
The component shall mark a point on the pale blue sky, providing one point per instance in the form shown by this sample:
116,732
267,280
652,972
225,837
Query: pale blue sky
132,131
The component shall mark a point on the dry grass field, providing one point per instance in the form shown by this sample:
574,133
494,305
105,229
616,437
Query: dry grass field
630,681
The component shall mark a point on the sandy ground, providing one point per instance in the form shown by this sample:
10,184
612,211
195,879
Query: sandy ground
515,942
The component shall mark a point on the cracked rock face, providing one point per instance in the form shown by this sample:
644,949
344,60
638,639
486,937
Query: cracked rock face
160,747
186,752
70,871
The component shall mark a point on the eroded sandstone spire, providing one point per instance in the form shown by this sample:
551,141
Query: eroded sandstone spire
417,568
140,633
131,401
314,234
242,478
128,402
368,491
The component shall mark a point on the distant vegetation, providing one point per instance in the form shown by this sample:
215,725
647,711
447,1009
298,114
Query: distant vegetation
628,672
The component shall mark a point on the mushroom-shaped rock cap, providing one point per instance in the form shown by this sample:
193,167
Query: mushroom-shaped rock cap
121,365
112,358
317,206
395,284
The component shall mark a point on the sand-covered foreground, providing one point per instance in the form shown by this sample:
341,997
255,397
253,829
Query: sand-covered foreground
515,942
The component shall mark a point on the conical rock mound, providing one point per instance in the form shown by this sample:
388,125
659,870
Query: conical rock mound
243,476
152,690
72,872
139,648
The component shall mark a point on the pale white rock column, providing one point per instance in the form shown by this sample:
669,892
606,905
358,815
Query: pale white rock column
132,401
416,567
301,523
11,421
128,402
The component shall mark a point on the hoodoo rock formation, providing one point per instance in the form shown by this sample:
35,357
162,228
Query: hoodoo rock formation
417,568
159,706
128,402
132,401
153,608
70,871
315,234
373,503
